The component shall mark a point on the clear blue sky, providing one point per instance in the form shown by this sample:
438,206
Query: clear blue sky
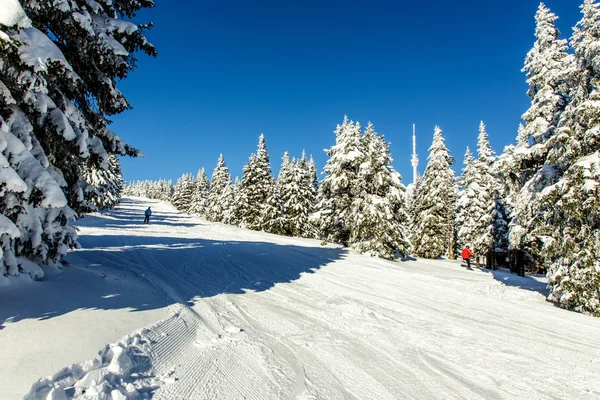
230,70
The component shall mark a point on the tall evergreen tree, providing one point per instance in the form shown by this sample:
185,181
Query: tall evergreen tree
58,74
241,207
272,214
434,202
306,181
184,190
230,199
288,185
483,204
341,184
220,181
568,210
257,191
200,195
465,220
500,217
380,228
312,171
550,70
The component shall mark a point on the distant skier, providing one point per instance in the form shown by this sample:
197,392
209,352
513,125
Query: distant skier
466,255
147,215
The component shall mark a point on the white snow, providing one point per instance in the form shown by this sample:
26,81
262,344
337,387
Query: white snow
8,227
12,13
40,50
259,316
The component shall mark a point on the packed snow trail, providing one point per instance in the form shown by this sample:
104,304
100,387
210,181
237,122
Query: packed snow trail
259,316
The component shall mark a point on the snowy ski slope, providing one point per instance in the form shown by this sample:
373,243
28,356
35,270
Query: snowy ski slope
259,316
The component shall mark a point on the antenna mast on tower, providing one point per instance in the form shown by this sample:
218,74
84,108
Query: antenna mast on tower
415,159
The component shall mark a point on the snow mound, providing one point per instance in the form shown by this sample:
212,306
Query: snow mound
30,268
120,371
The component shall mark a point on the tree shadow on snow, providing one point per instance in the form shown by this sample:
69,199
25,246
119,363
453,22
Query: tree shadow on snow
177,269
523,282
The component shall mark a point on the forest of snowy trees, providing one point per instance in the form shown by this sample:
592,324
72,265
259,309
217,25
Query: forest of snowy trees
59,63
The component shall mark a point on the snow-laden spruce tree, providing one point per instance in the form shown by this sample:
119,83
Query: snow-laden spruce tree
258,210
229,200
304,203
465,219
483,203
219,182
241,206
272,214
312,173
105,185
380,228
184,191
200,195
334,216
550,69
501,218
434,202
58,74
297,191
569,209
289,194
481,213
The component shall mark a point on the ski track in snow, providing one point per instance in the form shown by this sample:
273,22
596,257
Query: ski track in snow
259,316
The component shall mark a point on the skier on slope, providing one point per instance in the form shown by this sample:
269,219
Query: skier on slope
467,253
147,215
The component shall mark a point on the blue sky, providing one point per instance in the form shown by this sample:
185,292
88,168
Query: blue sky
228,71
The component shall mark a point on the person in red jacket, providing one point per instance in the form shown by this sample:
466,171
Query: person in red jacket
466,255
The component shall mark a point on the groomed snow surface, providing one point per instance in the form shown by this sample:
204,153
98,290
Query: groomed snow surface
197,310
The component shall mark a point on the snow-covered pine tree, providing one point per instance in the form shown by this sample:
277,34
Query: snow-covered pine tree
272,214
220,180
230,196
304,204
483,203
105,185
200,195
177,190
434,203
58,73
258,210
550,70
165,190
312,172
465,219
184,191
501,218
380,228
569,209
333,217
241,206
288,187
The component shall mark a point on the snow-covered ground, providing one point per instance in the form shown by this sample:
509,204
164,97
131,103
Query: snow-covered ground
232,314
